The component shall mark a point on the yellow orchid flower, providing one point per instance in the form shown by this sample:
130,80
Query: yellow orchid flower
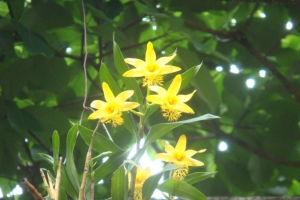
172,105
151,69
180,157
111,110
141,176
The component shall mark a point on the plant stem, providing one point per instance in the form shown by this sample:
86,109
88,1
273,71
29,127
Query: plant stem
87,163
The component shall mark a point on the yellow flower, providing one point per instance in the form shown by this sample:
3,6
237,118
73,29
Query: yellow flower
111,110
141,176
178,155
151,69
172,105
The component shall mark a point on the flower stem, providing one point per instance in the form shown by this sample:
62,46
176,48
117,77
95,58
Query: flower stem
87,163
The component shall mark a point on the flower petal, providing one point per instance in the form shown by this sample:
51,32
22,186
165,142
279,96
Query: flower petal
168,148
138,63
166,157
185,98
168,69
190,153
134,73
123,96
182,107
96,115
181,144
164,60
155,99
160,90
175,86
108,94
128,106
150,53
192,162
98,104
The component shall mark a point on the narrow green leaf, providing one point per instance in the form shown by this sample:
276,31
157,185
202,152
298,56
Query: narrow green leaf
47,158
187,77
150,110
119,188
181,189
159,130
56,144
110,165
197,177
70,165
151,183
122,67
105,76
101,143
67,185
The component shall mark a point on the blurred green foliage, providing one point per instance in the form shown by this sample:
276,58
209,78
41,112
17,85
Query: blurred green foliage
42,85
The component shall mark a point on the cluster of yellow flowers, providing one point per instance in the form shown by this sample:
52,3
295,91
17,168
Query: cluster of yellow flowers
152,70
172,105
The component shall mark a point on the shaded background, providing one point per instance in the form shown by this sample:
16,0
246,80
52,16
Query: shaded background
249,77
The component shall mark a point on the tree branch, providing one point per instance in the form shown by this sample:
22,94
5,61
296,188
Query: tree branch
272,69
250,148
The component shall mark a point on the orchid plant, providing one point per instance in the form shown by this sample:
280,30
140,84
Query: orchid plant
129,179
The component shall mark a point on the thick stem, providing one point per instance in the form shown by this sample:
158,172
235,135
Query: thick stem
87,164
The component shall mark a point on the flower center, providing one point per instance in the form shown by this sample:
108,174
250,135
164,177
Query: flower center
178,156
172,100
152,67
110,108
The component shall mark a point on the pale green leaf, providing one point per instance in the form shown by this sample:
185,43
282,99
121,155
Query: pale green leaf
181,189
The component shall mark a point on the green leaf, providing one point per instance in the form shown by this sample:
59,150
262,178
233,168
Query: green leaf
206,88
67,184
151,183
181,189
101,143
197,177
55,146
50,120
159,130
33,43
15,117
14,78
119,188
47,158
42,16
129,82
70,165
187,77
105,76
110,165
149,111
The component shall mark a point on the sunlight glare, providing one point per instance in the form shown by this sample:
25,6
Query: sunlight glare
68,49
262,15
289,25
234,69
250,83
16,191
233,22
223,146
262,73
1,194
154,27
219,68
